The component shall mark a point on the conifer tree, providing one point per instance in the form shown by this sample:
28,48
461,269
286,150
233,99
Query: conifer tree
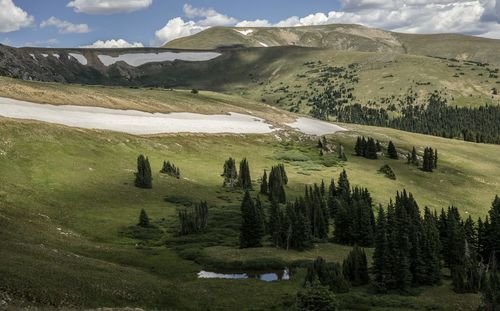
143,177
276,184
431,249
391,151
491,291
381,259
355,267
359,148
251,226
143,219
414,157
316,297
230,174
264,187
493,230
328,274
371,149
435,158
244,179
275,224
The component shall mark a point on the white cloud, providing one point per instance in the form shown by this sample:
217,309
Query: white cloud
12,17
475,17
64,26
108,7
113,44
177,27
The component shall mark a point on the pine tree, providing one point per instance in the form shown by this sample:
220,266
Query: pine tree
391,151
328,274
264,187
244,179
355,267
414,157
341,153
371,149
431,249
316,297
381,262
275,224
493,230
276,184
491,292
230,174
143,177
251,226
143,219
435,158
359,148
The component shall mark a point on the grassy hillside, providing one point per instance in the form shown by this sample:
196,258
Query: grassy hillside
67,199
347,38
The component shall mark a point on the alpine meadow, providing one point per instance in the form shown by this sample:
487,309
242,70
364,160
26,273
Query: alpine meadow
339,161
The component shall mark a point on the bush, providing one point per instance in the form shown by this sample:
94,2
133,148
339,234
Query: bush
387,171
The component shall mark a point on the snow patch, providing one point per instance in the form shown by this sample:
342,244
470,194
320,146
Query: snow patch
45,55
132,121
263,44
244,32
315,127
33,56
79,57
57,55
138,59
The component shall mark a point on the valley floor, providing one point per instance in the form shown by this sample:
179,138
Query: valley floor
67,199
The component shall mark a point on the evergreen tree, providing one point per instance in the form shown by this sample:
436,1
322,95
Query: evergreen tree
355,267
143,219
371,149
194,220
251,226
143,177
491,292
328,274
414,157
381,262
431,249
493,230
277,184
275,225
264,187
245,181
341,153
391,151
359,148
230,174
435,158
316,297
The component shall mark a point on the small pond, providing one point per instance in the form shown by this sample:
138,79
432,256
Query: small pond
282,275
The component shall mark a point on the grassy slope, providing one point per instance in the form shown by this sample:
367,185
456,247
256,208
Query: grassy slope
67,193
348,37
143,99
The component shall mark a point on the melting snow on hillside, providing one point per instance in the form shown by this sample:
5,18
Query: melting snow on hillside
132,121
315,127
138,59
244,32
79,57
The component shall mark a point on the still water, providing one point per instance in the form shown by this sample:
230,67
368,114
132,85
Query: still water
282,275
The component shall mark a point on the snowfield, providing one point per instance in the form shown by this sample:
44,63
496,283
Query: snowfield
244,32
138,59
79,57
144,123
132,121
315,127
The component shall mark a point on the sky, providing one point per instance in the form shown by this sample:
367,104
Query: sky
125,23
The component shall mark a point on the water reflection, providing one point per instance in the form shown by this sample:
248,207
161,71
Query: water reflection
263,276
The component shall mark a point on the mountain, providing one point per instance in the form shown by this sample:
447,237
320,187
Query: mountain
346,37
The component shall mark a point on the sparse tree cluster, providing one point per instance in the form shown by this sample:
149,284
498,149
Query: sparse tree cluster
274,186
231,177
429,160
170,169
367,148
193,220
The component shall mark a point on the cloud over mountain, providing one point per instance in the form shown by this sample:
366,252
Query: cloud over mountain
113,44
12,17
474,17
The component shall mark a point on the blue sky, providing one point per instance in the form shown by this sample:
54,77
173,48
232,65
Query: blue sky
152,22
